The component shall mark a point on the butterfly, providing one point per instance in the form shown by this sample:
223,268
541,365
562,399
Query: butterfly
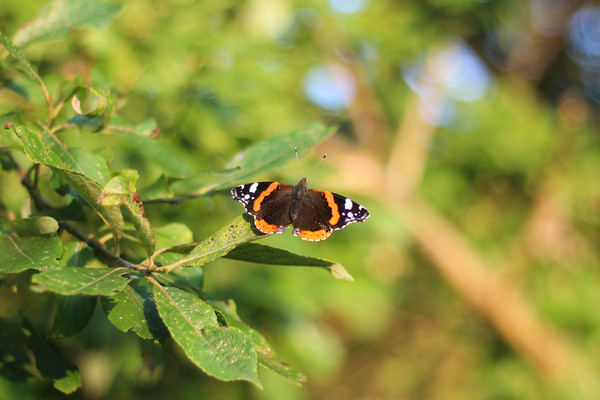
313,213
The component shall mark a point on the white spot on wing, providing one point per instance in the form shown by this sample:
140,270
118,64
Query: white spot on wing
348,204
254,187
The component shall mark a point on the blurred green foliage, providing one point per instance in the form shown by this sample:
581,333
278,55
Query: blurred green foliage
513,171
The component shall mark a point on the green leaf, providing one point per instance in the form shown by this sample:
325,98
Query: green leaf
76,254
223,352
147,128
72,315
172,235
119,191
56,19
187,279
18,254
80,160
93,103
170,161
261,254
23,64
159,189
88,188
71,212
134,309
65,376
238,231
35,226
268,155
15,364
266,356
87,281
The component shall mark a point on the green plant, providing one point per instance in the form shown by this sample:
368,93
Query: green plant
85,234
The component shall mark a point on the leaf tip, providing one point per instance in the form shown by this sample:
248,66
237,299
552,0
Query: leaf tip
339,272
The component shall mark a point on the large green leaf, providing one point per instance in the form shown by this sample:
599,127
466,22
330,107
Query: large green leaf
260,159
272,153
134,309
119,191
88,188
56,19
261,254
18,254
87,281
266,356
64,375
238,231
223,352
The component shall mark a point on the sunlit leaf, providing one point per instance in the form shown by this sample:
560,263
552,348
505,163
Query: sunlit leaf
267,155
223,352
172,234
119,191
56,19
238,231
23,63
146,128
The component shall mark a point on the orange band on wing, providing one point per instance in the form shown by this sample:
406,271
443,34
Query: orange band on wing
265,227
314,236
335,212
270,189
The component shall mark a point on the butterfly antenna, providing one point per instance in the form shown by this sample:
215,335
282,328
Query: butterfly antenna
319,163
298,161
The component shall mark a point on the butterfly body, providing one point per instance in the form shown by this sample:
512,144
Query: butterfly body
314,214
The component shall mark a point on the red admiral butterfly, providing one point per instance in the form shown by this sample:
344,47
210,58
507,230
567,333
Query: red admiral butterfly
314,213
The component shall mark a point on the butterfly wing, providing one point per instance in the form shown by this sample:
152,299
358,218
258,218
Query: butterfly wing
268,202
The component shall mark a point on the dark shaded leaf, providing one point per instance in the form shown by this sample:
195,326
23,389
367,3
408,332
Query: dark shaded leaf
64,375
261,254
72,315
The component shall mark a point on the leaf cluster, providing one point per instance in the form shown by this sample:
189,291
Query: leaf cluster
86,236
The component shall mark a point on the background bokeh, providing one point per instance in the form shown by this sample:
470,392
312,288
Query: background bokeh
469,129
